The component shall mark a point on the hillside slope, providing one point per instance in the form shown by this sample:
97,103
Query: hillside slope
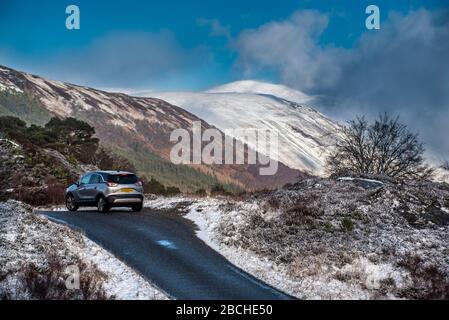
138,128
304,134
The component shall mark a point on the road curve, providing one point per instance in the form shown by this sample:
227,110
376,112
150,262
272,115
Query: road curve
165,250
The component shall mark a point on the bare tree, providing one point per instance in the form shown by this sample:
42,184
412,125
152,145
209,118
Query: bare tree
384,147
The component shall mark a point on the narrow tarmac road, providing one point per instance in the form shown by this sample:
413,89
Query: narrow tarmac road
165,250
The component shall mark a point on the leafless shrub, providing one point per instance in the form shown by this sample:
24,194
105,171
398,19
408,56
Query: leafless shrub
429,281
33,196
273,202
55,193
200,193
299,213
37,196
385,147
47,283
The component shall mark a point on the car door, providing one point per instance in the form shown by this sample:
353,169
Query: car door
94,186
83,188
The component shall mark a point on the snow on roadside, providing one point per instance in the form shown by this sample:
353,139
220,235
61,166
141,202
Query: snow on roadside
385,256
209,213
206,214
123,282
26,238
161,203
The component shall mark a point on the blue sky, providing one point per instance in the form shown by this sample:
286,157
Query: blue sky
320,47
33,36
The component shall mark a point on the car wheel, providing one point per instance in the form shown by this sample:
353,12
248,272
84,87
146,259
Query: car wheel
102,205
70,203
137,208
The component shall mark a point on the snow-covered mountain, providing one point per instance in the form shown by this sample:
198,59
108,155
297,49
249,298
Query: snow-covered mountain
263,88
304,134
136,127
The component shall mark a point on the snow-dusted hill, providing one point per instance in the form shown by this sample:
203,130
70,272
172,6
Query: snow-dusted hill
441,174
304,134
263,88
137,128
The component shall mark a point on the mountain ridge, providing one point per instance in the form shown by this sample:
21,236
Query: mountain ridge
263,88
305,135
136,127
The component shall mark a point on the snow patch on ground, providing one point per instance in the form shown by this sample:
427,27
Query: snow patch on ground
123,282
361,179
10,88
441,175
161,203
205,213
15,145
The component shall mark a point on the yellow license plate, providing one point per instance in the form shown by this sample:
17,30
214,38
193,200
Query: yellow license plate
127,190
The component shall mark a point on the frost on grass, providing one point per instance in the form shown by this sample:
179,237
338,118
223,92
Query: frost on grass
35,254
160,203
337,239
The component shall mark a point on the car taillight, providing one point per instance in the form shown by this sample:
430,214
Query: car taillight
139,183
112,184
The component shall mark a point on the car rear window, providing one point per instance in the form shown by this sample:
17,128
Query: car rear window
123,178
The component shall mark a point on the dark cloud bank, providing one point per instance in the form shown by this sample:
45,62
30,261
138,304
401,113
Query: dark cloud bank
402,69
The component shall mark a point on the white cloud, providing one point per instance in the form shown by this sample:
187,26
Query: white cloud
402,68
290,48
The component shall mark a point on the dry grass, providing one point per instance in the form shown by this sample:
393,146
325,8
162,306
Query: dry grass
53,194
318,225
56,193
48,283
429,281
300,213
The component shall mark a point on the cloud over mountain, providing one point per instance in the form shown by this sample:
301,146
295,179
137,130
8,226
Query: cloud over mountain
402,68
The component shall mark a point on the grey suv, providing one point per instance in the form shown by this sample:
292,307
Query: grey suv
106,189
